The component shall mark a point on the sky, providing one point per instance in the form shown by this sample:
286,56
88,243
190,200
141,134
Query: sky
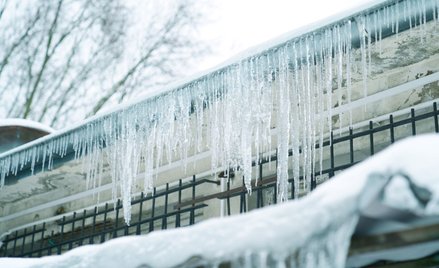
236,25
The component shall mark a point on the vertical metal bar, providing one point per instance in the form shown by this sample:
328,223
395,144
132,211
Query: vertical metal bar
313,182
241,200
125,232
151,222
241,208
351,145
413,119
259,191
331,151
49,251
116,223
436,122
81,237
32,242
228,197
292,190
91,239
140,213
73,230
165,214
105,223
275,193
15,244
192,214
40,252
23,243
61,234
372,149
5,252
125,229
177,217
244,203
222,201
392,129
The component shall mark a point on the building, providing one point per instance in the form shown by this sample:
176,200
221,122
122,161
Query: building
279,121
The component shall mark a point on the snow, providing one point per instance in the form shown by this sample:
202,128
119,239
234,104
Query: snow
234,108
25,123
316,228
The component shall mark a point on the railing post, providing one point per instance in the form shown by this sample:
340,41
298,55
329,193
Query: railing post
372,149
178,216
139,220
192,214
92,238
61,234
73,229
40,253
413,120
436,122
32,240
331,152
105,222
392,129
151,222
165,215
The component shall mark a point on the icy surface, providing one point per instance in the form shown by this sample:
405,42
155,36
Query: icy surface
232,110
310,232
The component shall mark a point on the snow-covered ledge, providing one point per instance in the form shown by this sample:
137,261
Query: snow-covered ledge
285,84
310,232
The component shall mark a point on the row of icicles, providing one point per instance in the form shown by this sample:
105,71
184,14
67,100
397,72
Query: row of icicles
232,112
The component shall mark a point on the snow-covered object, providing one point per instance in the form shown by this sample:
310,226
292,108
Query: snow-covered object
18,122
232,110
314,231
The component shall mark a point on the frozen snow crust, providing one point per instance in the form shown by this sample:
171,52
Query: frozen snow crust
231,110
313,231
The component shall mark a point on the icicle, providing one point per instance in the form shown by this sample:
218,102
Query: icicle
313,110
268,80
328,67
283,124
369,44
381,33
309,124
245,142
362,32
320,107
397,7
339,54
296,124
348,67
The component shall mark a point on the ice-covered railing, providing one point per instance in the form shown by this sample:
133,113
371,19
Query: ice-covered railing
231,110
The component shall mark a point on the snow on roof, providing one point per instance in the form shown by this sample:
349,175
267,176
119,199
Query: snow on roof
25,123
317,227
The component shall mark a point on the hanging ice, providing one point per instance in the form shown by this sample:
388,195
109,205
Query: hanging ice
232,111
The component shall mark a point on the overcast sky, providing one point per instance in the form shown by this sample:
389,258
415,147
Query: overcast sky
239,24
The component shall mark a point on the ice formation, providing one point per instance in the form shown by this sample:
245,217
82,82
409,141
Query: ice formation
233,110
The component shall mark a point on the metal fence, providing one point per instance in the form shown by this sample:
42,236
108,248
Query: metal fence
182,204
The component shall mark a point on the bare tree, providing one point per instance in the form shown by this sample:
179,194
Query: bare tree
62,60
